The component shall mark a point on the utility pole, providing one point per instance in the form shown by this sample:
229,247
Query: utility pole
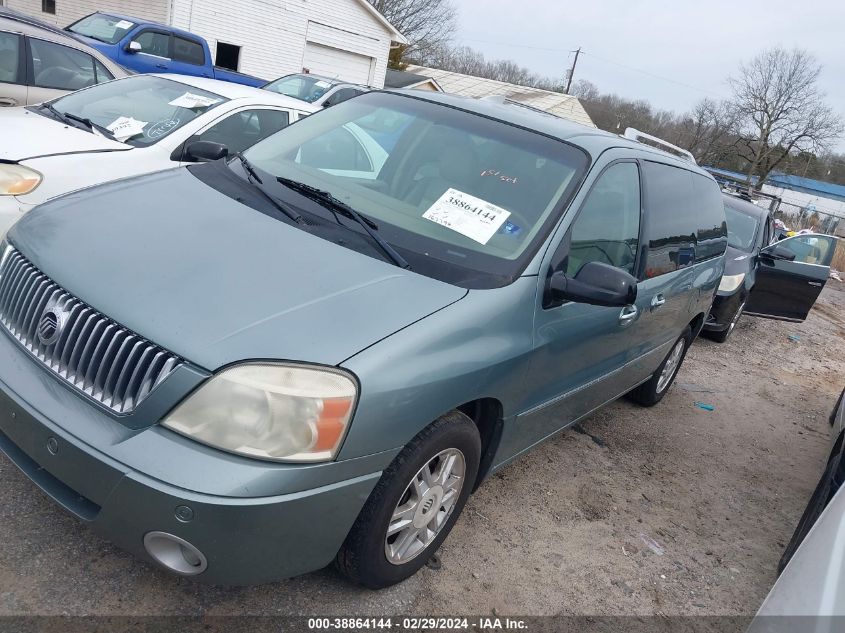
572,70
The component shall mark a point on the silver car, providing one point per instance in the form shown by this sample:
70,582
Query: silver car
40,62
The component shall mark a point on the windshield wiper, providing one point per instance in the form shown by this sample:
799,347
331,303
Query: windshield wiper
70,119
254,179
91,125
336,206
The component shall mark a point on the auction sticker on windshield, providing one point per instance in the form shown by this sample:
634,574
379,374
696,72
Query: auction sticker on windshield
473,217
125,127
191,101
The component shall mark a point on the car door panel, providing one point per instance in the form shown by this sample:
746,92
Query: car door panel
788,289
155,56
581,357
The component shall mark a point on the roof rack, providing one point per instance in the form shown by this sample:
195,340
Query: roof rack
635,135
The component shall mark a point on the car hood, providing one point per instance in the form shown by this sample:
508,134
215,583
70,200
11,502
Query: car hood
30,135
216,281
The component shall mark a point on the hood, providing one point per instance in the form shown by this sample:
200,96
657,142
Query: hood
737,261
26,135
215,281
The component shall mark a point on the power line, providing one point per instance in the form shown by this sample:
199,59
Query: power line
601,59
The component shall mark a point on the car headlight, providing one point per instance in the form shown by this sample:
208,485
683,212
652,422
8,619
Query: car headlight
730,283
270,411
16,180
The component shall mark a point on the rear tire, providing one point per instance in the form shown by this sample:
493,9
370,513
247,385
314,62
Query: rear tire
419,497
651,392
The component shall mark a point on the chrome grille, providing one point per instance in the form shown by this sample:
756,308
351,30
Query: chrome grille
104,360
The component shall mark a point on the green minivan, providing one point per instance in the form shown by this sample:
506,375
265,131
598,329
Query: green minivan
316,350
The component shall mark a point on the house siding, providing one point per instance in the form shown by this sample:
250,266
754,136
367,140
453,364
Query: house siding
68,11
272,34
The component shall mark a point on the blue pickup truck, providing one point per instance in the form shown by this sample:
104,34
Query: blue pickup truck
149,47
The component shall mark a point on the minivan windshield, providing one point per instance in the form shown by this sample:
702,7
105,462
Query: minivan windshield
742,229
452,189
304,87
104,28
139,110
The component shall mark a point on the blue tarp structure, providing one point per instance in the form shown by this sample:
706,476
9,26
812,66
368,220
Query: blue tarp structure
795,183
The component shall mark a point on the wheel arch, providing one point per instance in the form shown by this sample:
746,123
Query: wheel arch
487,415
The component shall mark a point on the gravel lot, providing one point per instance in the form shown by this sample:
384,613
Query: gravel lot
672,510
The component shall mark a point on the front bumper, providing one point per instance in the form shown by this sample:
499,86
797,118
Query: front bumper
253,521
723,310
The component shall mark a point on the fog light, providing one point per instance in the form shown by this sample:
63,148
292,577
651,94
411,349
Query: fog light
175,553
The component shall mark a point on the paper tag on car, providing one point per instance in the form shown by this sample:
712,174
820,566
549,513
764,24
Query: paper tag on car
321,84
125,127
465,214
123,24
191,101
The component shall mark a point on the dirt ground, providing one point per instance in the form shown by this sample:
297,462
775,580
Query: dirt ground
673,510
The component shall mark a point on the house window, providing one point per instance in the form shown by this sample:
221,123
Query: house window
228,56
48,6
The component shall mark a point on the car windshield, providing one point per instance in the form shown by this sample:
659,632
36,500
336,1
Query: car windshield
452,188
105,28
742,228
139,110
304,87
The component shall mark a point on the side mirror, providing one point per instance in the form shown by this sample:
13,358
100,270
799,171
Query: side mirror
205,151
597,284
133,47
778,251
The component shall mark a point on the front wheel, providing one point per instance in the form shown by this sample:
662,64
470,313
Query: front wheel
414,505
722,336
651,392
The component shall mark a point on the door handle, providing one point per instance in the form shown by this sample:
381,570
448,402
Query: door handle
657,301
817,284
8,102
628,315
162,66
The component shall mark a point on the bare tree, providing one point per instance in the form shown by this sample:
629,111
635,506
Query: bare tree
707,131
780,110
427,24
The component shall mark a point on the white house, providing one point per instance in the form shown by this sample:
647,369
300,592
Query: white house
559,104
347,39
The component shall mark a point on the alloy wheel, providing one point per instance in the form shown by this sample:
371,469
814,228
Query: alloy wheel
425,506
670,367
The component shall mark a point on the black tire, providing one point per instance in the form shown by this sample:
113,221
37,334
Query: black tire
362,558
827,487
722,336
647,394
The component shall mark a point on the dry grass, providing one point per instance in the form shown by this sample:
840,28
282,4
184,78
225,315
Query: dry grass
839,256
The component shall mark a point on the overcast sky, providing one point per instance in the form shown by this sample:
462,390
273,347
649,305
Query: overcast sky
669,53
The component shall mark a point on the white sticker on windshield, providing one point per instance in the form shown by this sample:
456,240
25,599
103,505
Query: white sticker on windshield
125,127
476,218
322,84
190,100
123,24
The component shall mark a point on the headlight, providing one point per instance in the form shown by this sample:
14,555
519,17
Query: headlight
730,283
270,411
16,180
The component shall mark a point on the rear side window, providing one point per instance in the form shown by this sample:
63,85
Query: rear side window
60,67
685,219
9,58
188,51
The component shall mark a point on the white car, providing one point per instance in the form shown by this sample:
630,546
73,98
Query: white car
129,127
